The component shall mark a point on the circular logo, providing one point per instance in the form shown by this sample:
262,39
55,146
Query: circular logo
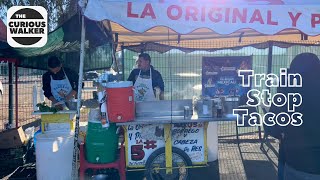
27,26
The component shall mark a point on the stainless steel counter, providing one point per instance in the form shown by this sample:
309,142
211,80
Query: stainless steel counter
168,112
175,119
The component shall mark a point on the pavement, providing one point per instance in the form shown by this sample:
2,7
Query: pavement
244,161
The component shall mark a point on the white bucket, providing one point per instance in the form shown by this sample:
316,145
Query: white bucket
212,141
54,152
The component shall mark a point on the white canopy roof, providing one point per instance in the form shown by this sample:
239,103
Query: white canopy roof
245,22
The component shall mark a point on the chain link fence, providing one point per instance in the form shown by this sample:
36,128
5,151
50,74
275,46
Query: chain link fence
29,79
181,73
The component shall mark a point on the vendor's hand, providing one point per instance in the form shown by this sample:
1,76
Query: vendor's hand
53,102
59,107
69,97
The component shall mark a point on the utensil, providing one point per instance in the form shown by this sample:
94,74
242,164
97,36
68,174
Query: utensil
186,112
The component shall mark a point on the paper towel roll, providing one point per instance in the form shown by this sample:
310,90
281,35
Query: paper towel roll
104,110
101,97
104,107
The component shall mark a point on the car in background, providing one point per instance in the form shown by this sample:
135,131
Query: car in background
91,75
1,88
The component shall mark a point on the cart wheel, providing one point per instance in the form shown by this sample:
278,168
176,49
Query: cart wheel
158,160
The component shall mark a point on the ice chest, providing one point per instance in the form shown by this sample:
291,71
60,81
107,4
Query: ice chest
120,101
101,143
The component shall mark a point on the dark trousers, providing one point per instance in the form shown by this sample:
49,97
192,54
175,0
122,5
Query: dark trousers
281,162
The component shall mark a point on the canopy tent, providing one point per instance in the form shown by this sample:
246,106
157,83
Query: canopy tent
65,43
138,24
167,39
170,22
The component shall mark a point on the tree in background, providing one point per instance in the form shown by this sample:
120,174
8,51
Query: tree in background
58,10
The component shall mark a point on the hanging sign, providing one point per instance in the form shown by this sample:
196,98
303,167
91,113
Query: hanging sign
221,16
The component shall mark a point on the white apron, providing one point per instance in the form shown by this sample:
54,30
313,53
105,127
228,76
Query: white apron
143,89
60,88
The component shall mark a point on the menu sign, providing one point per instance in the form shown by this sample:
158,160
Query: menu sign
220,75
143,140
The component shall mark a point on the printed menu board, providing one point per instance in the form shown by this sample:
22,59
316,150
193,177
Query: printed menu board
143,140
220,75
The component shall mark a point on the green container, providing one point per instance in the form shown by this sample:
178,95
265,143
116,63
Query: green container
101,143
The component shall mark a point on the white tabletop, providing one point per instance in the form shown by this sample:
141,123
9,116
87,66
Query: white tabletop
59,112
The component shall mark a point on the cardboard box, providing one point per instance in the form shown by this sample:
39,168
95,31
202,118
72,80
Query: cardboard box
12,138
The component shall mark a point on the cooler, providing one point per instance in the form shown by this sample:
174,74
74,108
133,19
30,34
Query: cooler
120,101
101,143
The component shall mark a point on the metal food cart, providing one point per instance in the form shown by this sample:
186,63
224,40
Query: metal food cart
164,142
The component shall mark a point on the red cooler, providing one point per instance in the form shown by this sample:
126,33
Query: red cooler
120,101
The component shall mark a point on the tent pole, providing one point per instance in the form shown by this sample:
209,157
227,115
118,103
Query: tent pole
122,59
76,133
114,49
270,52
10,95
16,89
114,58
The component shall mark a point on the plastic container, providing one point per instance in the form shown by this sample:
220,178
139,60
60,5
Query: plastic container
230,103
35,136
120,101
101,143
54,152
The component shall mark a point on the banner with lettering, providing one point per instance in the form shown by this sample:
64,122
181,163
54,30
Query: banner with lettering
220,75
143,140
221,16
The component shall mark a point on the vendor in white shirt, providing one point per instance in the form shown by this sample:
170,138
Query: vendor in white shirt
147,81
60,84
